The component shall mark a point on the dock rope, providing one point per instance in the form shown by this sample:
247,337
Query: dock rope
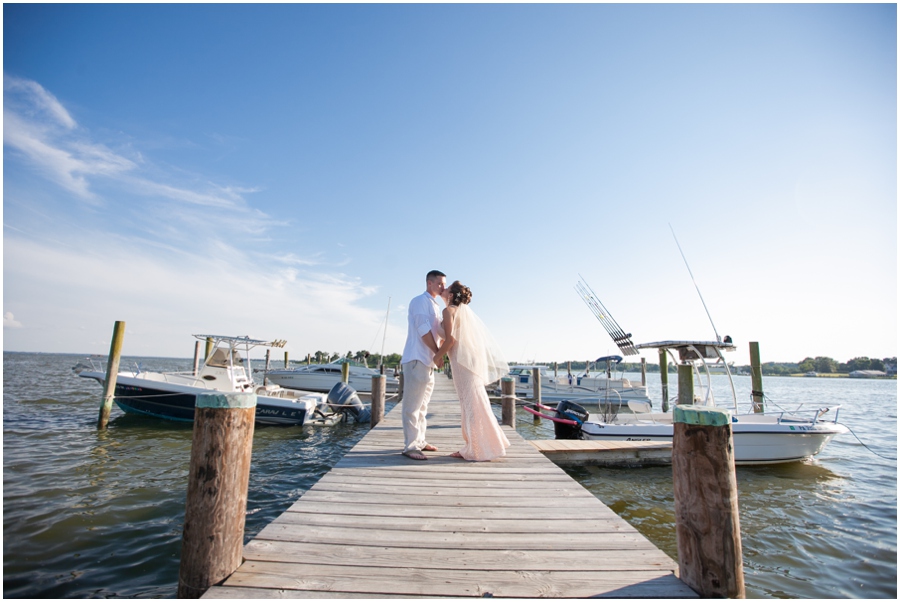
866,446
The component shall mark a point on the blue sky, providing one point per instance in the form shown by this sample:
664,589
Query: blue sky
282,171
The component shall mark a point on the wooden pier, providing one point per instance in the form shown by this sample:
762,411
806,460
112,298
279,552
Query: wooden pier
382,525
605,453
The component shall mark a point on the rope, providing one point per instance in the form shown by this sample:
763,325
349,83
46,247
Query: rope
866,446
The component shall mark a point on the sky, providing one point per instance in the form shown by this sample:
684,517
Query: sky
292,171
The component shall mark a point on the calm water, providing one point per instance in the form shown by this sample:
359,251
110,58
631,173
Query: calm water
99,514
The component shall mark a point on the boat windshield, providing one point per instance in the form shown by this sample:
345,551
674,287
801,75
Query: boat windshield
219,358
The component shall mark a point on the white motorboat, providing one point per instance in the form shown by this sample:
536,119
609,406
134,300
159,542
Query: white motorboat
586,388
173,395
766,437
322,377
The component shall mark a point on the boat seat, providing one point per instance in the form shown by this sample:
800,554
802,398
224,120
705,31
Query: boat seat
639,407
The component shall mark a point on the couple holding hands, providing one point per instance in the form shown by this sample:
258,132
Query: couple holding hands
475,359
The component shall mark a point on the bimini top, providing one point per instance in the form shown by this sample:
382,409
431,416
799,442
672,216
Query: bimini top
609,358
693,350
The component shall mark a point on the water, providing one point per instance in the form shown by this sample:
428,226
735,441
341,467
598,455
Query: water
99,514
825,528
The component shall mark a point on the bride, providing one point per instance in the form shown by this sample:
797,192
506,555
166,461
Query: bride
476,360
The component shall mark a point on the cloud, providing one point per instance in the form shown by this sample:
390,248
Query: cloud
9,321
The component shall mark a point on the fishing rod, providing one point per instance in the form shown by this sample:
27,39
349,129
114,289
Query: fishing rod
718,338
619,336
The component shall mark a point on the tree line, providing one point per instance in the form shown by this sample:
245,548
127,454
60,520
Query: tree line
819,364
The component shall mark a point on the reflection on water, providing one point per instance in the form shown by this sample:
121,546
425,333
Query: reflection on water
99,514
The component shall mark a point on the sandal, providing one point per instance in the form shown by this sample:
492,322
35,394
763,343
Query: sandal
415,454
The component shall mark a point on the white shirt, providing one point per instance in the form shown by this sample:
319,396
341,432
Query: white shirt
424,317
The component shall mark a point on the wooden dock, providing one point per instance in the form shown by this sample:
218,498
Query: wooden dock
382,525
605,453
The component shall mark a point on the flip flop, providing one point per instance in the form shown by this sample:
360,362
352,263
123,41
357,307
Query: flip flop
429,447
415,455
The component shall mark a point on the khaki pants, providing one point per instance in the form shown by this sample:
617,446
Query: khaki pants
418,383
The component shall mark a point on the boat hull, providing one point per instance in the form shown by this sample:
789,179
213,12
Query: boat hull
172,402
753,443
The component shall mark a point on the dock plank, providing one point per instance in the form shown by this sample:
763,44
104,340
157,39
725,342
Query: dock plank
382,525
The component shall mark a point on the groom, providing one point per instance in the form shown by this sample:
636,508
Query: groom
424,319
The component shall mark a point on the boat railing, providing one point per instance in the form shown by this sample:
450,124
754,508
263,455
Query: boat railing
803,413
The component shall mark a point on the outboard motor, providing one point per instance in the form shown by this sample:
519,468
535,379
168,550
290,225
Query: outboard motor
568,410
343,398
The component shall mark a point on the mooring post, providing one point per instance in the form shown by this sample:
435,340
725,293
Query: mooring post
196,357
756,379
266,373
707,524
643,372
285,360
112,372
345,373
536,387
378,388
508,401
213,540
685,384
308,359
664,378
209,348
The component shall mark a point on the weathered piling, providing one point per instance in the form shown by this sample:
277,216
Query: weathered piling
664,378
643,372
209,348
112,371
266,373
216,507
379,383
285,360
536,387
685,384
345,372
196,357
707,524
756,392
508,401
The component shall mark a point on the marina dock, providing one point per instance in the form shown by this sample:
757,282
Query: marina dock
382,525
605,453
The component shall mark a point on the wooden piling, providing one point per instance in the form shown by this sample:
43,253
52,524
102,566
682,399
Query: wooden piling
266,373
112,371
707,524
536,387
508,401
345,372
196,357
379,384
685,384
213,540
643,372
756,393
308,359
400,387
664,378
285,360
209,348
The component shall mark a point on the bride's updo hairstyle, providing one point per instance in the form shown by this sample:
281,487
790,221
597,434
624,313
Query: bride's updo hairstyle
460,294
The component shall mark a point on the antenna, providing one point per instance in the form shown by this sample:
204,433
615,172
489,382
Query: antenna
619,337
718,338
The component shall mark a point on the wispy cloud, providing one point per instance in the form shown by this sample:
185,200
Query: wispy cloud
39,128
